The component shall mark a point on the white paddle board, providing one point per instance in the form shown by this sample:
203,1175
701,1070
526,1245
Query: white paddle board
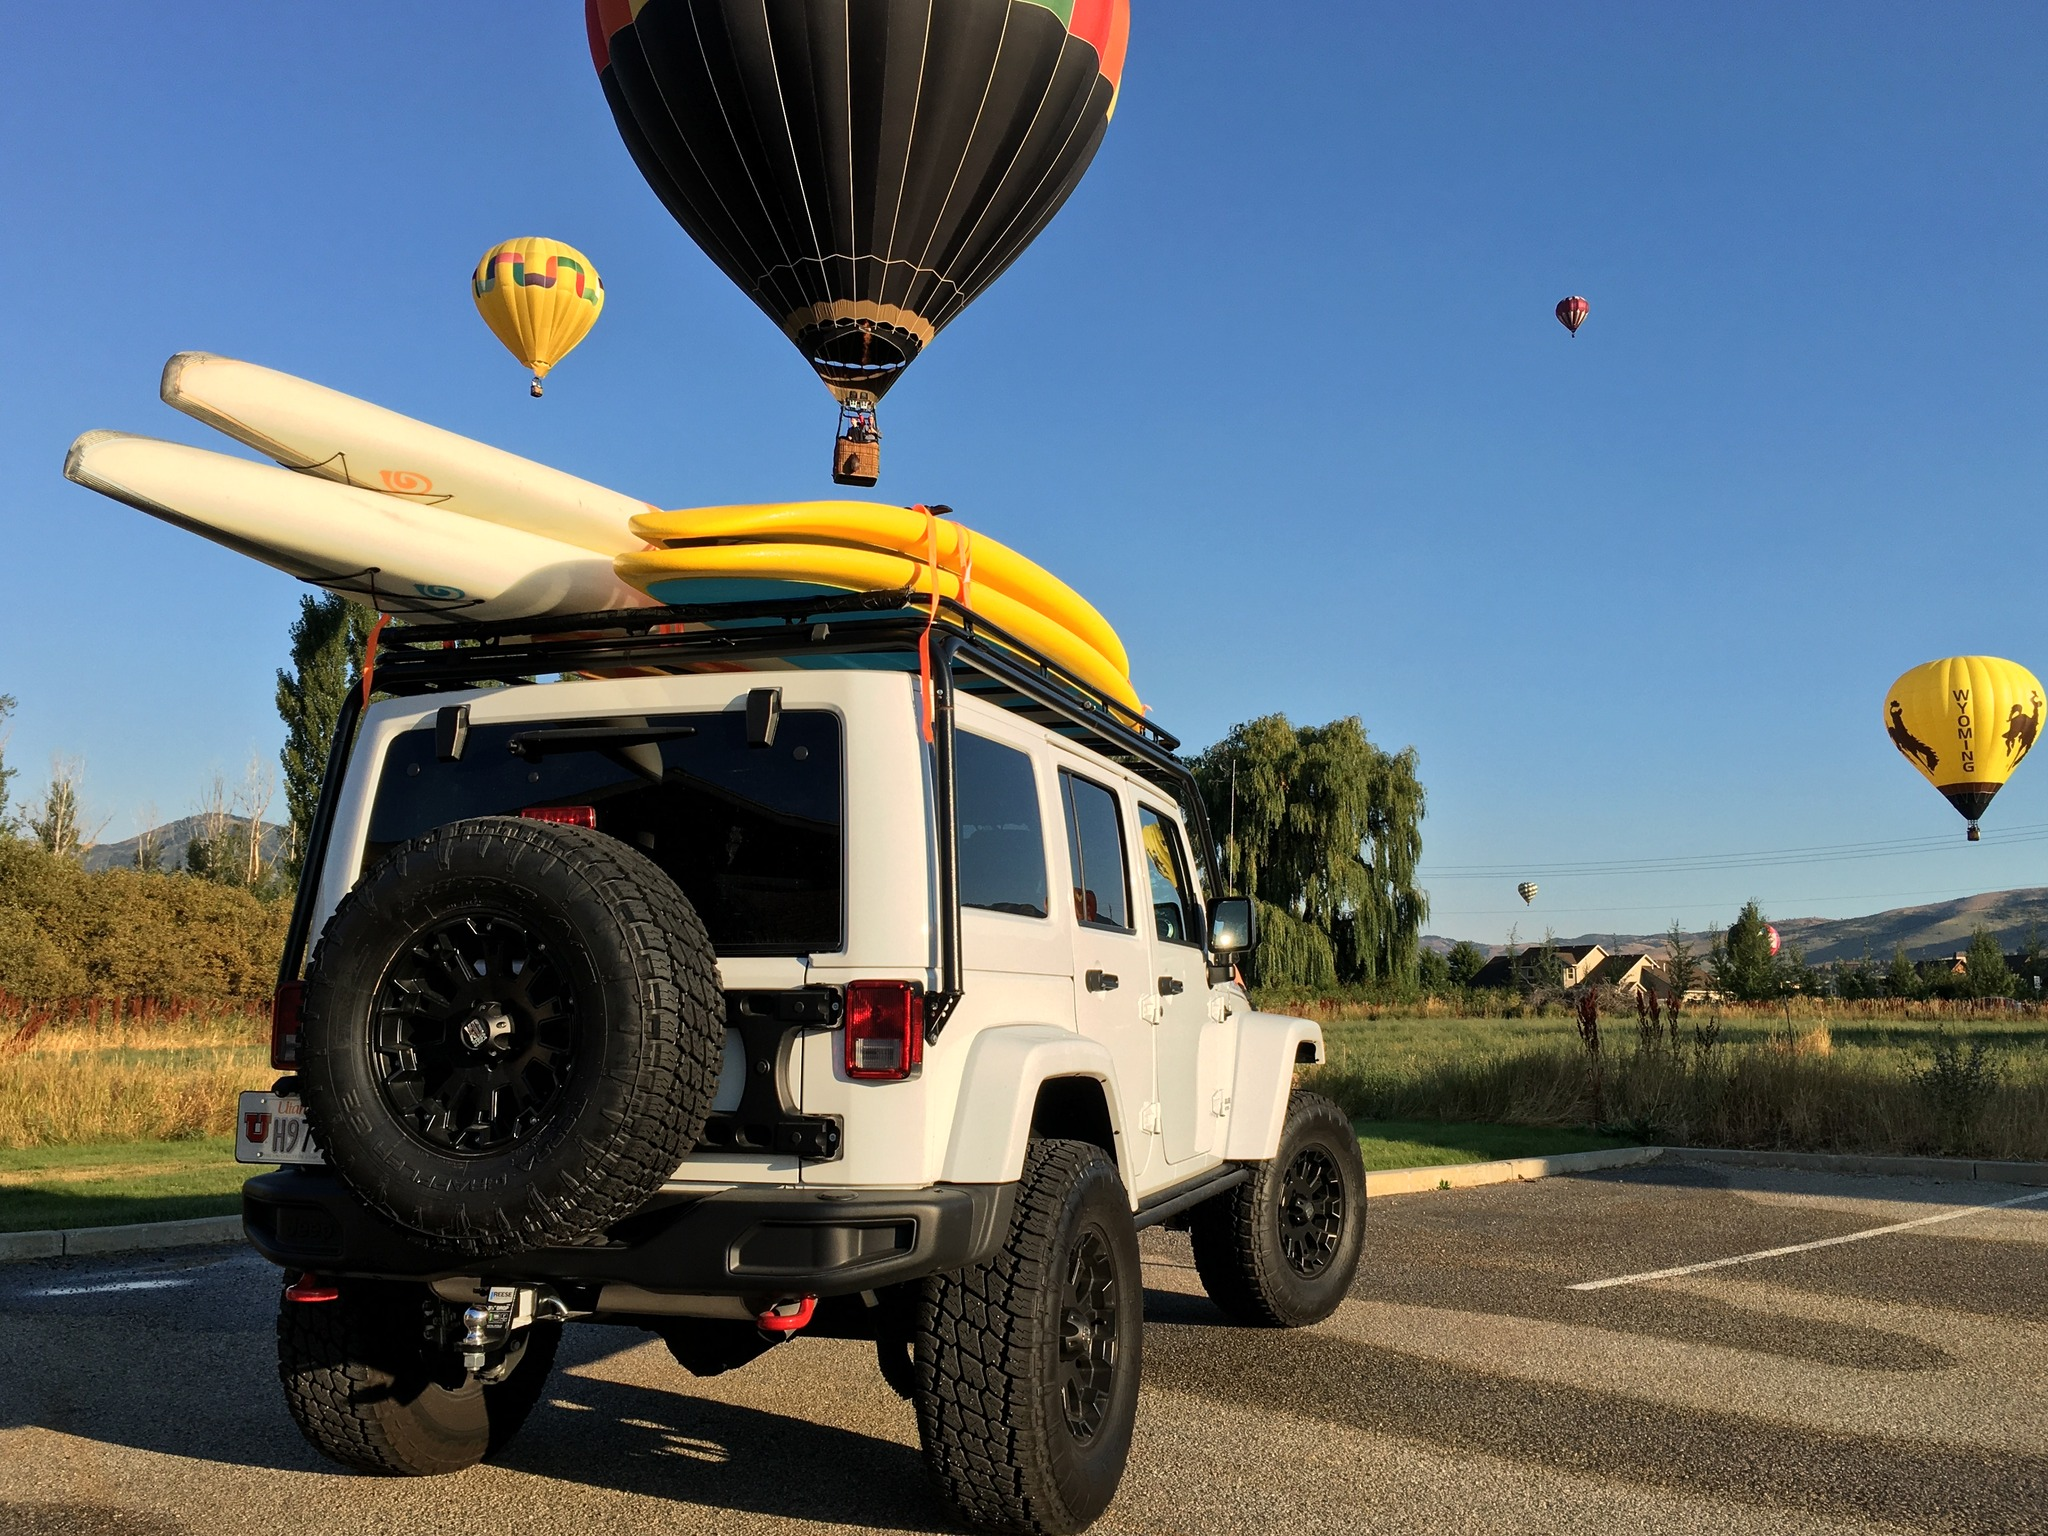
384,552
320,431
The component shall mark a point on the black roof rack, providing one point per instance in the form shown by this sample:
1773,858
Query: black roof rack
429,658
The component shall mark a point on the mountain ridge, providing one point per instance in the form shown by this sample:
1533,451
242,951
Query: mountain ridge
1927,932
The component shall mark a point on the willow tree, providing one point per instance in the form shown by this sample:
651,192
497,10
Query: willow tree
1325,829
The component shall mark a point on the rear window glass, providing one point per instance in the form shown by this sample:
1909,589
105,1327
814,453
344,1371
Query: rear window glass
751,834
1002,836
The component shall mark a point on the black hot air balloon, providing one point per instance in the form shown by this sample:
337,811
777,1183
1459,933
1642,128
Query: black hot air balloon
862,168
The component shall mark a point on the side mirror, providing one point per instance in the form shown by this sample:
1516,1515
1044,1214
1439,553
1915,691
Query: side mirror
1233,926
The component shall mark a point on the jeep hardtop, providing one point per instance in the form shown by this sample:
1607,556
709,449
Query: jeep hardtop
782,969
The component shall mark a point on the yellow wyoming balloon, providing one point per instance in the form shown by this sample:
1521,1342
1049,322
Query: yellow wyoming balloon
1965,722
539,297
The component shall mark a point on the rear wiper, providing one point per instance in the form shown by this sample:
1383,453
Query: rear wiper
623,742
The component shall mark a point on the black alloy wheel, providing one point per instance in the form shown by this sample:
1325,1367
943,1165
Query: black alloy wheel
512,1034
1311,1211
1088,1328
476,1034
1281,1249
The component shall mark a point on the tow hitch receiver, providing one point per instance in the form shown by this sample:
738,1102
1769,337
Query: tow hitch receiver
785,1316
489,1325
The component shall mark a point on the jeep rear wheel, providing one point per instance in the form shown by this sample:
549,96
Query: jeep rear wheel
1281,1249
512,1034
1027,1366
367,1390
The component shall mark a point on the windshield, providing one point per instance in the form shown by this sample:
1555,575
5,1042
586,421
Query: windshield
751,834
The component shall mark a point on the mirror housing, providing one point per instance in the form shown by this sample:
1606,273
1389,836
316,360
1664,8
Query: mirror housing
1233,927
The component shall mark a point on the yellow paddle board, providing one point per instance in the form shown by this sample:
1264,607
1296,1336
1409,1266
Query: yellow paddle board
903,531
660,572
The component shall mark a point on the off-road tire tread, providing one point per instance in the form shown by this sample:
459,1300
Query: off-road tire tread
1239,1269
980,1410
340,1400
668,1097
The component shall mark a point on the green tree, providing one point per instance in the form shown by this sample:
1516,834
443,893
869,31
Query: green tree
1464,962
1902,976
57,822
327,641
1986,973
1743,964
6,773
1432,970
1543,966
1681,964
1325,827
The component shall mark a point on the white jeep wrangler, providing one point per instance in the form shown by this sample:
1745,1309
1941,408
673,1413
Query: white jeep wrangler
741,985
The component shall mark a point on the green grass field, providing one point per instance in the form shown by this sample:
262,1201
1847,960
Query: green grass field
114,1183
1441,1143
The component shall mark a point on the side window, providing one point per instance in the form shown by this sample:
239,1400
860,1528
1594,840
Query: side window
1002,839
1095,843
1176,914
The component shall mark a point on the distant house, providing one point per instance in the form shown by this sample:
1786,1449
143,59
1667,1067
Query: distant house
1576,963
1631,974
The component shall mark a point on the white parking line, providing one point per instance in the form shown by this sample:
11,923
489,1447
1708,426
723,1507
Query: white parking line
1825,1242
111,1285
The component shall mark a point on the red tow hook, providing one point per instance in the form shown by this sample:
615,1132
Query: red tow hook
787,1315
310,1287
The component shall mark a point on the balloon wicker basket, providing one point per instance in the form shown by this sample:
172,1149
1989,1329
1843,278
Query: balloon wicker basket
855,462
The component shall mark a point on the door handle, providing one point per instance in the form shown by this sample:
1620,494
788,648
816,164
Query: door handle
1169,987
1101,981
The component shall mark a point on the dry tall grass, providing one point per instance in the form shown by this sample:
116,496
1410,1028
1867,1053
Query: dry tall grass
1793,1092
84,1072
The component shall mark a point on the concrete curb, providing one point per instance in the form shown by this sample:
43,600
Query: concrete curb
1407,1181
141,1236
1951,1169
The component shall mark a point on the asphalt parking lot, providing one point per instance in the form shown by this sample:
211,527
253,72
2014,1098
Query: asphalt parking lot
1893,1383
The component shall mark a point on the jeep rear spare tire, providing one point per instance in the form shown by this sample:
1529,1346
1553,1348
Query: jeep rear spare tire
512,1034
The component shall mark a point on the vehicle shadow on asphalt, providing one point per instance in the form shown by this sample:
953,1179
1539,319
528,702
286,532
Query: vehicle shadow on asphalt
720,1455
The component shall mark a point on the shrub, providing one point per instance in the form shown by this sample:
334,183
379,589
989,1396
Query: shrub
65,932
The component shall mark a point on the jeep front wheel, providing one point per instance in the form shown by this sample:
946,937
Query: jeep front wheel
1027,1366
1280,1250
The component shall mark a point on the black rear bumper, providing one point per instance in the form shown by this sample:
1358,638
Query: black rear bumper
738,1242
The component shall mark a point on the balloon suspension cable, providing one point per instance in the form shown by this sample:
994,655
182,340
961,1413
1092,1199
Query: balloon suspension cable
370,655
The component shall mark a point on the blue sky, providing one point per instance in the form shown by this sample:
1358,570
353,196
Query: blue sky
1305,428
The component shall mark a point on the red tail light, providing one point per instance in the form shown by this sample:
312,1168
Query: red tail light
884,1030
567,815
285,1007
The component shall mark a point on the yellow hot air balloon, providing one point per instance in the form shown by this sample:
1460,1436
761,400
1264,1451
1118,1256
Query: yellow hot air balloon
539,297
1965,722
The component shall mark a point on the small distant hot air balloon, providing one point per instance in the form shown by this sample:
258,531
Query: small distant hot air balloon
1571,313
1527,891
540,298
1773,933
1965,722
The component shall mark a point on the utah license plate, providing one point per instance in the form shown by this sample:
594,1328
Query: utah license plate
271,1128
